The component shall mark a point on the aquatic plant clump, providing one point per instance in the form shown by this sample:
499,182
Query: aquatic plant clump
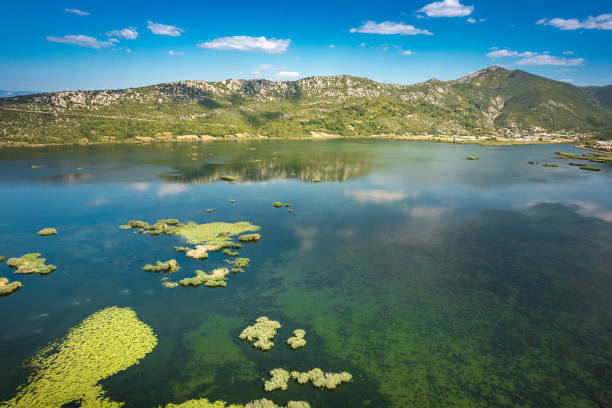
163,226
320,379
297,340
230,253
216,278
576,164
45,232
30,263
277,204
6,287
550,165
182,248
471,158
228,178
591,168
167,283
249,237
105,343
265,403
279,380
214,232
263,330
168,266
203,403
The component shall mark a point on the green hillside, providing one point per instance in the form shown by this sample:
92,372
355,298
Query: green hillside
480,104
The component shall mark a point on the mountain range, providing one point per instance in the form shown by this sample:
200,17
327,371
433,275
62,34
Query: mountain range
487,102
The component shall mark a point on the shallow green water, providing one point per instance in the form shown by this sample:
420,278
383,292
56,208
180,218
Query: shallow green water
435,280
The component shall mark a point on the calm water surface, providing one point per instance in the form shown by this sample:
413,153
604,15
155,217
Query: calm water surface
436,281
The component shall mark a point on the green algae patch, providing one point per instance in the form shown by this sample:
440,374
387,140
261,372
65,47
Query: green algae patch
591,168
6,287
266,403
168,266
471,158
278,381
203,403
214,232
249,237
320,379
215,278
104,344
45,232
263,330
30,263
277,204
297,340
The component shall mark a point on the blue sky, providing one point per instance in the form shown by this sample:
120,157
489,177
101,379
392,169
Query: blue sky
72,44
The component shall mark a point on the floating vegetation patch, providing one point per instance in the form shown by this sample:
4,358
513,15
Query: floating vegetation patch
209,210
239,264
320,379
263,330
1,259
236,245
105,343
278,381
232,201
203,403
249,237
215,278
168,266
45,232
576,164
316,180
201,251
231,253
228,178
471,158
550,165
277,204
592,168
167,283
30,263
297,340
265,403
214,232
6,287
287,204
594,158
182,248
290,210
164,226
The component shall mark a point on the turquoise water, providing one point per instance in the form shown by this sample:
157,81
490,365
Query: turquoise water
434,280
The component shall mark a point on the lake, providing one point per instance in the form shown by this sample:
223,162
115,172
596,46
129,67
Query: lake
434,280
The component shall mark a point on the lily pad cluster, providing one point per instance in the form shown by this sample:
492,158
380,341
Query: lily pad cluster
168,266
263,331
30,263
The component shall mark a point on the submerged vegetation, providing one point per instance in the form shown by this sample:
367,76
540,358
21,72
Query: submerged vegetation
70,370
47,231
167,266
30,263
216,278
263,330
6,287
320,379
297,340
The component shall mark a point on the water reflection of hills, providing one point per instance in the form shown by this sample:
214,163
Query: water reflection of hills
327,167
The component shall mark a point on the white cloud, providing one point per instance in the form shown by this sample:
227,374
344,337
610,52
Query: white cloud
379,196
544,59
568,52
125,33
246,43
332,46
388,27
175,52
163,29
77,12
471,20
171,189
446,8
82,41
362,44
601,22
497,53
427,212
568,80
287,74
406,52
265,67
